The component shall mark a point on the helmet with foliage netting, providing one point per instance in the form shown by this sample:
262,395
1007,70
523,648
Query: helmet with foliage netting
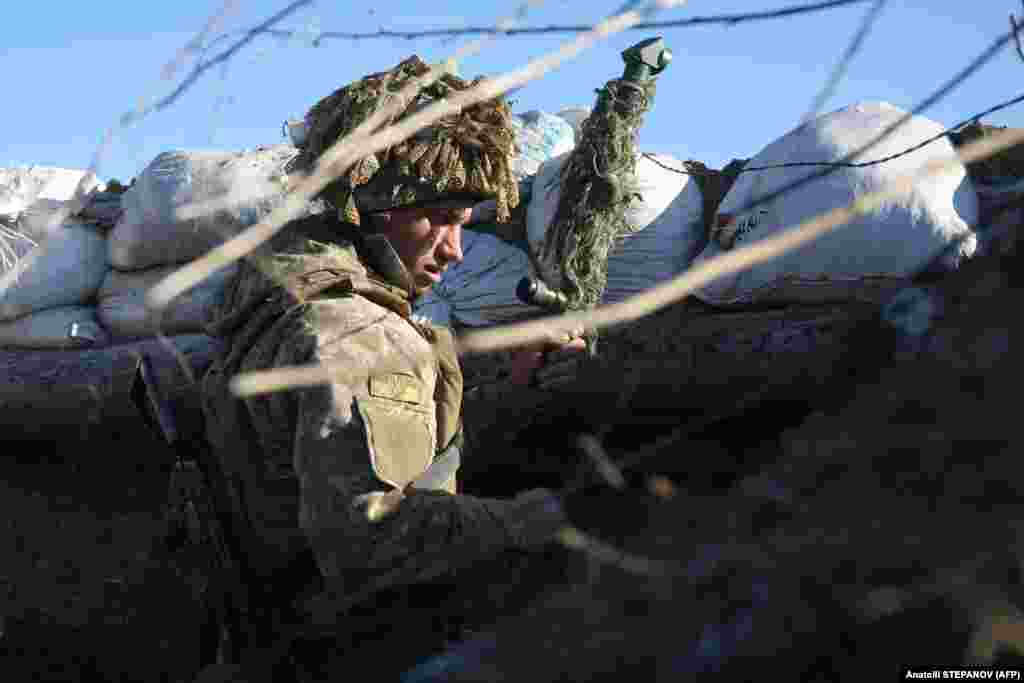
465,156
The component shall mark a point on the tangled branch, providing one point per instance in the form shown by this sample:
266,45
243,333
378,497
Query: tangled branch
509,30
516,335
844,63
363,141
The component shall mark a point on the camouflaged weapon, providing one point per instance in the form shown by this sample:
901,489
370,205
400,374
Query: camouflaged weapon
597,186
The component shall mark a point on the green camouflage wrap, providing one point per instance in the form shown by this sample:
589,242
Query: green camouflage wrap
597,185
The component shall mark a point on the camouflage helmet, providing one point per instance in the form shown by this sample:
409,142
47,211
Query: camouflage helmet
465,156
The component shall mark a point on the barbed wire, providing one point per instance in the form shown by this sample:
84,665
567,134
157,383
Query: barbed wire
722,19
846,162
206,64
938,95
938,136
267,28
646,303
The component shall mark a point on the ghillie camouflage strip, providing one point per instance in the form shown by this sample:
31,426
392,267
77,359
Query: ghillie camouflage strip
597,185
468,153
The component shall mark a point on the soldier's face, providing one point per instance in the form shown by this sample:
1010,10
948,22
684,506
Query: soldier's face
426,240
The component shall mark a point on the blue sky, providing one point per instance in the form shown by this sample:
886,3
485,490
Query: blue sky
72,69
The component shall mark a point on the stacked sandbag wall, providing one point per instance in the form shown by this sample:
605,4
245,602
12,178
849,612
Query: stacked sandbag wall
51,262
74,276
73,286
154,237
878,248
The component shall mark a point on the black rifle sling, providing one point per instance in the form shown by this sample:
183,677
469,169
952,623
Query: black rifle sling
198,511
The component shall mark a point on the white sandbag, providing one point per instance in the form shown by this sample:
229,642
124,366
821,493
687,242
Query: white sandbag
64,269
32,195
122,308
18,188
539,137
152,233
64,327
667,224
892,240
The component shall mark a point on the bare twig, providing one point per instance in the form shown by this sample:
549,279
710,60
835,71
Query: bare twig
356,144
593,449
646,303
330,165
80,195
195,210
344,152
196,44
513,336
721,19
1015,30
364,141
154,302
844,62
573,538
224,56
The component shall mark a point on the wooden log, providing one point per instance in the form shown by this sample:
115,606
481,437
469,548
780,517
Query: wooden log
55,394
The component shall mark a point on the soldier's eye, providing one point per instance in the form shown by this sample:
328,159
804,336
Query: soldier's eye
444,216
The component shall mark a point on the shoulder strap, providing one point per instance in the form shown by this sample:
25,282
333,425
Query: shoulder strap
310,285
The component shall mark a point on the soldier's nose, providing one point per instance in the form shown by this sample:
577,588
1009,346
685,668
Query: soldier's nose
451,245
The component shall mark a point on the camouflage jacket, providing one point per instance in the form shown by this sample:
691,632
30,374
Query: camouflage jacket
316,459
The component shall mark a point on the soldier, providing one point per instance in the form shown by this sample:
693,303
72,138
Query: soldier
363,470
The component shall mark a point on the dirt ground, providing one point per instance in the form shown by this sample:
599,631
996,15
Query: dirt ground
80,595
